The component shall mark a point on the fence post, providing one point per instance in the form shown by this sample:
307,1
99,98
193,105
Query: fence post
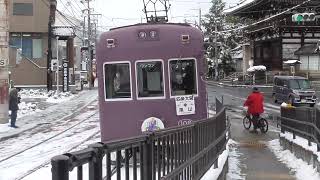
219,105
318,126
281,120
195,147
216,148
148,158
95,166
60,167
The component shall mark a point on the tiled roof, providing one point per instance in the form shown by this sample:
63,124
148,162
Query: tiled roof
240,5
309,49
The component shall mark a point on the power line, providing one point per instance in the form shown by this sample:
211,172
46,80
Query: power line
77,4
66,8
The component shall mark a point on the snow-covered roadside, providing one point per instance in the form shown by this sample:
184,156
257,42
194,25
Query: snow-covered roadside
51,96
300,168
51,112
27,108
302,142
232,155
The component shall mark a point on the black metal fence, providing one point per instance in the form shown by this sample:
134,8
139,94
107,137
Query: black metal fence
184,152
302,121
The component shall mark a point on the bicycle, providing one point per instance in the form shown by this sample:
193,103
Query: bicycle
263,124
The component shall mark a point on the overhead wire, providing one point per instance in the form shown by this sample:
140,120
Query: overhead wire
68,9
76,2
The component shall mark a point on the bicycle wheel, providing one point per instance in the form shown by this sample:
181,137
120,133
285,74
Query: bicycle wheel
246,123
263,125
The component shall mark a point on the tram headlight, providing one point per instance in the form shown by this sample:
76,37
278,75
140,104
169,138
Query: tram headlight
142,34
153,34
185,38
110,43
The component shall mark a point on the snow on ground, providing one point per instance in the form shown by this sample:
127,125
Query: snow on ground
50,96
302,142
28,108
234,172
300,168
35,93
60,97
21,165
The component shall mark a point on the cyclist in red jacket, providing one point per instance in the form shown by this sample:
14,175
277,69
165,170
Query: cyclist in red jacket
254,103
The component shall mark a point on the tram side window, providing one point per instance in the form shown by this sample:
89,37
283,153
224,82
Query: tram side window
117,80
183,77
150,79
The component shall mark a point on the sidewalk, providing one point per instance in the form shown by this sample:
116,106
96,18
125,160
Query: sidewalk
52,113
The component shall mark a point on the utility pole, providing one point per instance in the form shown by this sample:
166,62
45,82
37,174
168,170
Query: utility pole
53,5
57,38
4,61
89,46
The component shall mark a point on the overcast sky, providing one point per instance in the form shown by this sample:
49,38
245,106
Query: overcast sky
125,12
117,13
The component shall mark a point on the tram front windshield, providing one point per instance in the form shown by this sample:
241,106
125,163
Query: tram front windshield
183,77
117,80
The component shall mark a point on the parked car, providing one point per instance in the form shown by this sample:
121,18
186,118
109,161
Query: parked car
294,90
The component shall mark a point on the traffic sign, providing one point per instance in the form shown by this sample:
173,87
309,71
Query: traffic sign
54,65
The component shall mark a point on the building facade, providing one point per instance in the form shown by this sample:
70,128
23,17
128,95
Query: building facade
275,36
28,29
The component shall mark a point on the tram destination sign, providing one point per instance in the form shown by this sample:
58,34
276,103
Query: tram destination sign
185,105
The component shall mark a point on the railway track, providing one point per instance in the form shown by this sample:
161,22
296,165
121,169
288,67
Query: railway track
87,123
45,140
49,161
44,127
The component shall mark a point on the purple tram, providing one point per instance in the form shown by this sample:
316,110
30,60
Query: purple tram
150,78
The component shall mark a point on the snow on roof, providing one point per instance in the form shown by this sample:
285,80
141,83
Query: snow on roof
240,5
257,68
292,62
237,55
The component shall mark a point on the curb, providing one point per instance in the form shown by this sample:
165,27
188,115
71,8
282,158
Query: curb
236,85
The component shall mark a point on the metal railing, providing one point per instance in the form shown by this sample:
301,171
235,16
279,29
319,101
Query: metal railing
184,152
304,122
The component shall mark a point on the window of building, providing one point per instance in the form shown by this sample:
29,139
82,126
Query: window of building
31,44
117,78
22,9
149,79
313,62
304,63
37,48
183,78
